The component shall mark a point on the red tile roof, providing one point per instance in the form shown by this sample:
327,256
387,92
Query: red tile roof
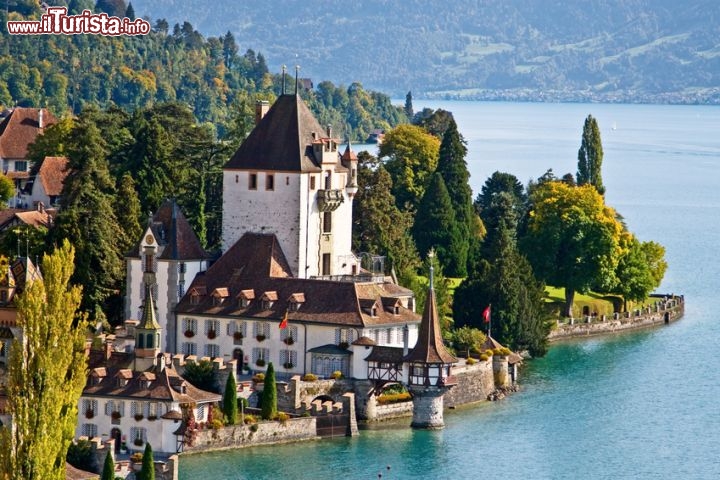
52,174
430,347
19,129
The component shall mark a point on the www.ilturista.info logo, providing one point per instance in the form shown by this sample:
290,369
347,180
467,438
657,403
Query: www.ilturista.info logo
56,21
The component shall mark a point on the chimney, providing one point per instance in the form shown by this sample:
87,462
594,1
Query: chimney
40,118
108,349
406,339
261,108
329,131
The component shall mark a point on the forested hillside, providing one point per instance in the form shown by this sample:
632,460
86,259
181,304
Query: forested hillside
612,50
174,63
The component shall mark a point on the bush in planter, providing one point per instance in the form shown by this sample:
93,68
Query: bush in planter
260,337
152,417
289,341
138,443
115,415
288,365
139,416
211,334
258,378
483,357
189,333
309,377
250,419
260,362
237,336
282,417
343,345
137,456
337,375
89,413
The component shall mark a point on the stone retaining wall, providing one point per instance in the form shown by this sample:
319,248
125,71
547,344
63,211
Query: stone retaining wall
238,436
474,384
665,310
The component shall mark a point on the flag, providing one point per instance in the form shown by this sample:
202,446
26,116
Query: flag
283,323
486,314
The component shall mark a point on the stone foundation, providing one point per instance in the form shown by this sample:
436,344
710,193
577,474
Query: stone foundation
427,410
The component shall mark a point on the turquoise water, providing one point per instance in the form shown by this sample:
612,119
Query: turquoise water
641,405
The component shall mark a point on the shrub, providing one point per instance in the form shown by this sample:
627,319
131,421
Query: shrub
189,333
260,362
138,443
489,352
211,334
288,365
389,398
305,414
268,402
137,456
282,417
249,419
259,338
80,455
254,427
502,351
238,336
337,375
139,416
309,377
470,361
258,378
115,415
343,345
89,413
152,417
483,357
216,424
289,341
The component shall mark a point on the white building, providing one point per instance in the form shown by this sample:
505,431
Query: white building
171,252
288,178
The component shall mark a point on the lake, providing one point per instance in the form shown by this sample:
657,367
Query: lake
637,405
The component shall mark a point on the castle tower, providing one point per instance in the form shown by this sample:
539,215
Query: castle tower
148,343
429,368
288,178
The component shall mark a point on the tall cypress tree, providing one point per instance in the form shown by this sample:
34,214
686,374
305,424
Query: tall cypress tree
128,211
435,226
147,472
108,472
269,394
230,401
590,156
453,168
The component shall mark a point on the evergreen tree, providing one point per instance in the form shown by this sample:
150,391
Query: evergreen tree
130,12
409,105
435,225
129,214
230,50
453,168
87,218
500,182
503,277
269,395
7,190
230,401
108,472
590,156
147,472
114,8
201,375
46,374
379,227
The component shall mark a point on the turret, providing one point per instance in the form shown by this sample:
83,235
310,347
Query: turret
148,343
350,161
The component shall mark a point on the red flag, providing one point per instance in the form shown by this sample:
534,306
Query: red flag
486,314
283,323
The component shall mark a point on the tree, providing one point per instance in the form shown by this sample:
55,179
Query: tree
468,339
453,168
590,156
108,471
114,8
80,455
269,395
230,401
435,225
129,214
51,143
147,472
640,270
435,122
411,158
130,12
7,190
87,218
46,374
379,227
503,278
572,239
409,105
497,183
201,375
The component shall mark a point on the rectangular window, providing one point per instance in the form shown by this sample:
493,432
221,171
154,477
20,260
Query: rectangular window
328,182
327,222
189,326
390,335
287,333
138,435
288,358
21,166
89,430
261,328
90,408
252,181
149,263
312,182
212,350
260,354
189,348
269,181
326,264
212,327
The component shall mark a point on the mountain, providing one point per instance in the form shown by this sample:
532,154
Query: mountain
637,50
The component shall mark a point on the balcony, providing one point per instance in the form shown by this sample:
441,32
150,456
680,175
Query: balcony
329,200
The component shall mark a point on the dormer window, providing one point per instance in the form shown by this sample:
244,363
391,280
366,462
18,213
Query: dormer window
195,295
295,301
246,297
373,311
268,299
219,295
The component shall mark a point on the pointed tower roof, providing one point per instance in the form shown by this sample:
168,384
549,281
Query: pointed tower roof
148,320
430,347
348,154
282,141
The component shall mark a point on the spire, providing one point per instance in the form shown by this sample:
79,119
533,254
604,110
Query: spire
284,68
431,256
430,347
148,321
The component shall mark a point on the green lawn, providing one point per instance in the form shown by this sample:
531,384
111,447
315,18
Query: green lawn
602,304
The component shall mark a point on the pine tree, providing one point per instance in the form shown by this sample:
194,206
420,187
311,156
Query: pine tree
435,225
114,8
46,374
128,210
453,168
269,395
87,218
108,472
230,401
590,156
409,106
147,472
130,12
